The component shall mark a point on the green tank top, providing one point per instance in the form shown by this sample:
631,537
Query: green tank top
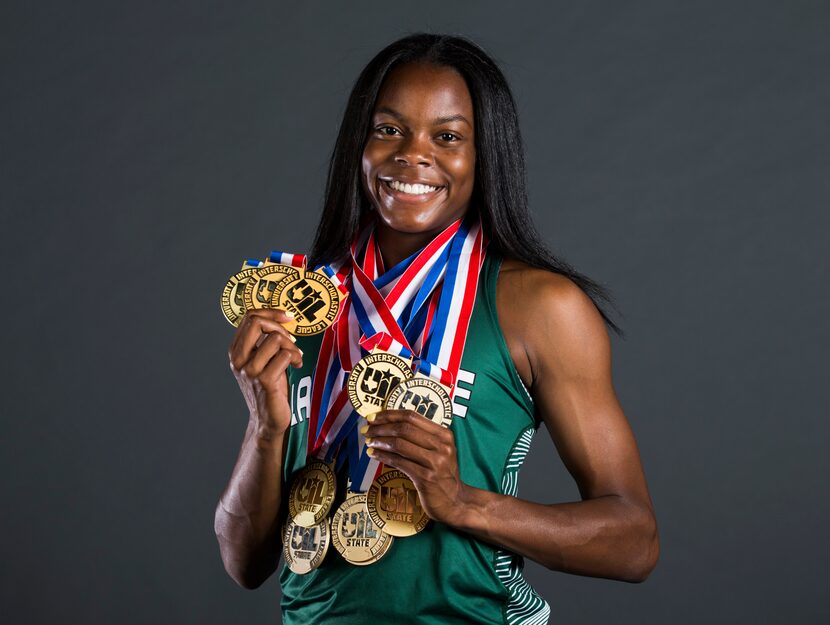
440,575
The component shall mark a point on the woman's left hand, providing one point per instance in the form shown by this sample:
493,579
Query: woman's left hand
426,452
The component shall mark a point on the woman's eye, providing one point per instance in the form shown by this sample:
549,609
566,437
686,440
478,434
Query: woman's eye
384,129
448,136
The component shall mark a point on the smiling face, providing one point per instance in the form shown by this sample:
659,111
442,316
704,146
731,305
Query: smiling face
421,134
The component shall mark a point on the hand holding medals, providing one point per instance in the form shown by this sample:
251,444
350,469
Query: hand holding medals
424,481
412,320
312,297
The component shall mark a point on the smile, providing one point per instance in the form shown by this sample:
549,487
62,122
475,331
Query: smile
410,192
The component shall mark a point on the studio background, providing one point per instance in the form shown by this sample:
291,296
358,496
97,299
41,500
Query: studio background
677,153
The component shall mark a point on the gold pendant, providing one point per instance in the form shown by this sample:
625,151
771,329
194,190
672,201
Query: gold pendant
262,284
425,396
393,504
311,297
373,378
233,300
305,547
354,535
311,495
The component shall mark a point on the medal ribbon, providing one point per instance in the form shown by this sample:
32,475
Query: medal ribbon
406,310
283,258
367,313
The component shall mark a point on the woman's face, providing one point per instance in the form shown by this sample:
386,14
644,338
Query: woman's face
421,133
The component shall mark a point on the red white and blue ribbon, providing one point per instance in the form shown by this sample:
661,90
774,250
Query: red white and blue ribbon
419,308
283,258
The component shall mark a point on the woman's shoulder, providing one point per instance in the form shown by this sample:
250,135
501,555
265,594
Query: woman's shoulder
542,311
525,284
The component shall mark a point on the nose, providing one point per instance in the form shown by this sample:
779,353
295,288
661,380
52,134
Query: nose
414,150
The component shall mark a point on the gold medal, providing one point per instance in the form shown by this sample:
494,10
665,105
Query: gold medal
313,299
373,378
305,547
261,285
233,301
424,396
311,495
354,535
393,504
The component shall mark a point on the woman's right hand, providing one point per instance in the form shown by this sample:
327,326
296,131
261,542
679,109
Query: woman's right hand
259,355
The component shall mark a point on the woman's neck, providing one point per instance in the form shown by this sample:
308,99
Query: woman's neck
396,246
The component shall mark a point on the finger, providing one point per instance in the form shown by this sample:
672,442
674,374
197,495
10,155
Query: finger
272,344
277,366
254,328
406,449
407,428
275,315
417,421
412,470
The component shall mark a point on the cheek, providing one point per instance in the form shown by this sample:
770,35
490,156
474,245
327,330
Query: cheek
367,163
462,169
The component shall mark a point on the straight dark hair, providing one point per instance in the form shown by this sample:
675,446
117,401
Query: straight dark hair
499,191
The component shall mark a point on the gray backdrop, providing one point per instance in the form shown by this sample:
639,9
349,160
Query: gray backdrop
677,151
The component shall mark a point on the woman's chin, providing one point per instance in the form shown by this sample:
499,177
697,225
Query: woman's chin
404,223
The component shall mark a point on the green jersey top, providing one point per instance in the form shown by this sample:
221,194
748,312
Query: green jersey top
441,575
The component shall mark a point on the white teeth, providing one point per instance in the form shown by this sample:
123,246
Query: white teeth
414,189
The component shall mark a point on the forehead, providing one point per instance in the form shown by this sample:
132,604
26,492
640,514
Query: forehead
421,91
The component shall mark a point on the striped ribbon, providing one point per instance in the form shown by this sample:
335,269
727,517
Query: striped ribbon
283,258
420,307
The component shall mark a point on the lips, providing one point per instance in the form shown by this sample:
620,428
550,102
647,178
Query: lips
410,198
408,180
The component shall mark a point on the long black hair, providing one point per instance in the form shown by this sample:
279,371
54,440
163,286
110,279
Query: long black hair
499,191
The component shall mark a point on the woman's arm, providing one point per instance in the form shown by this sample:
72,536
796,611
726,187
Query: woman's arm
561,348
248,513
246,521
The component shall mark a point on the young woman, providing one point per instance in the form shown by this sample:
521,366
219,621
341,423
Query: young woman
430,140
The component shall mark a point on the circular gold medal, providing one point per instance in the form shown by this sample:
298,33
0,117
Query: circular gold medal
311,494
262,284
311,297
373,378
393,504
424,396
233,300
305,547
355,536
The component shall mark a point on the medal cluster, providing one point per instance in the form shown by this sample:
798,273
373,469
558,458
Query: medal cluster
283,282
395,343
364,526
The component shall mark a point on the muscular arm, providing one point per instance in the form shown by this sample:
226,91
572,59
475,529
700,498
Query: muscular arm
561,347
248,513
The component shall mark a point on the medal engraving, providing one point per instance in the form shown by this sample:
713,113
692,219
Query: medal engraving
263,283
311,494
311,297
305,547
233,300
373,378
355,536
424,396
393,504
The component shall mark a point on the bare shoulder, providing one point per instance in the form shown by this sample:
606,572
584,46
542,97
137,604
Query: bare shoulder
548,321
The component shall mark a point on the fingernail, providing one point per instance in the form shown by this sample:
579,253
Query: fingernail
299,350
370,451
371,417
369,441
364,429
293,340
289,314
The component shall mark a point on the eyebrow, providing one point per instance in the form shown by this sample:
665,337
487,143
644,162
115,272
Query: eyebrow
458,117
